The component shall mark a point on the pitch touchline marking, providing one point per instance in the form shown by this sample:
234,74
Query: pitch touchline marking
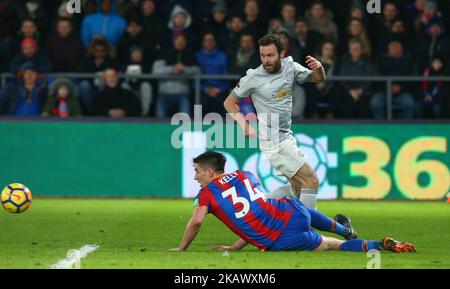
74,257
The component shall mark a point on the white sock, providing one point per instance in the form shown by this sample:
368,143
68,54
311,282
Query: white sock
280,192
309,198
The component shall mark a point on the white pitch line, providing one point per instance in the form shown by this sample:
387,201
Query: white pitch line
74,257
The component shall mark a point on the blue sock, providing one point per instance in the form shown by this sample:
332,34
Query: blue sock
323,223
359,245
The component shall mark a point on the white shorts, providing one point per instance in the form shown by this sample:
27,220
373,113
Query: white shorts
285,157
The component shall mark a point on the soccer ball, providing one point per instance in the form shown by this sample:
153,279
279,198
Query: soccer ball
16,198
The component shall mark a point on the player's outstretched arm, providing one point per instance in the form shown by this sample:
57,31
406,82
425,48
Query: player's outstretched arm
318,74
238,245
192,228
231,105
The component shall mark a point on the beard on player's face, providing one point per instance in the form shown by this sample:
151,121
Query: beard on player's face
273,67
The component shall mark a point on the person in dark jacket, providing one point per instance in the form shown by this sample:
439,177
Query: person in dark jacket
355,98
246,57
114,101
25,95
395,63
432,100
154,28
30,53
64,49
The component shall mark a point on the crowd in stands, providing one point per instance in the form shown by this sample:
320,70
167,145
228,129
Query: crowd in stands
167,38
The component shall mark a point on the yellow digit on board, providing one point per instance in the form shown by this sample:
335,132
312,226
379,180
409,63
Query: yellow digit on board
407,168
378,156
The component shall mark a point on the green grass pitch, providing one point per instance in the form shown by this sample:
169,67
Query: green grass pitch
138,233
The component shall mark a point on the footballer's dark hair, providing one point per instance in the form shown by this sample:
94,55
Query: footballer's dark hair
272,39
213,160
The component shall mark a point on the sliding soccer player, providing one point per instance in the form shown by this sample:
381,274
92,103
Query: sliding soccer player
238,200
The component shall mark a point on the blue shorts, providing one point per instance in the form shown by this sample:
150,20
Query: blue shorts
298,235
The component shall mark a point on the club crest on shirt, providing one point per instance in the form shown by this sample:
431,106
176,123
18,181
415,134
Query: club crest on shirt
281,94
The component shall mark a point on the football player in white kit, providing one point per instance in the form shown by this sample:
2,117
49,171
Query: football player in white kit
270,88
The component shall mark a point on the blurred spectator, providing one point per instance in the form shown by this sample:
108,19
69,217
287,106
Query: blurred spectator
382,23
36,10
28,29
356,29
8,20
129,8
308,40
325,102
275,25
431,99
397,32
175,94
321,20
62,100
114,101
395,63
430,14
179,23
29,52
217,25
433,44
354,100
290,46
64,49
255,23
202,11
167,7
97,60
132,37
155,29
135,66
25,95
104,22
235,30
288,15
212,61
246,57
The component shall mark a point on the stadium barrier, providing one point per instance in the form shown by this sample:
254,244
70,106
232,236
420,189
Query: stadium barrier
388,80
98,157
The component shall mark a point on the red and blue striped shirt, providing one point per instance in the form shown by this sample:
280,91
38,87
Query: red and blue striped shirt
238,200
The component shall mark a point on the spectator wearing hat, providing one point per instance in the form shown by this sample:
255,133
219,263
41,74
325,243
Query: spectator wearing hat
29,52
105,22
62,99
217,24
179,23
25,95
430,14
64,48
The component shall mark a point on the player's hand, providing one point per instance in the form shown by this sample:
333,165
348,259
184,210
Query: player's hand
313,63
177,249
221,248
249,131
